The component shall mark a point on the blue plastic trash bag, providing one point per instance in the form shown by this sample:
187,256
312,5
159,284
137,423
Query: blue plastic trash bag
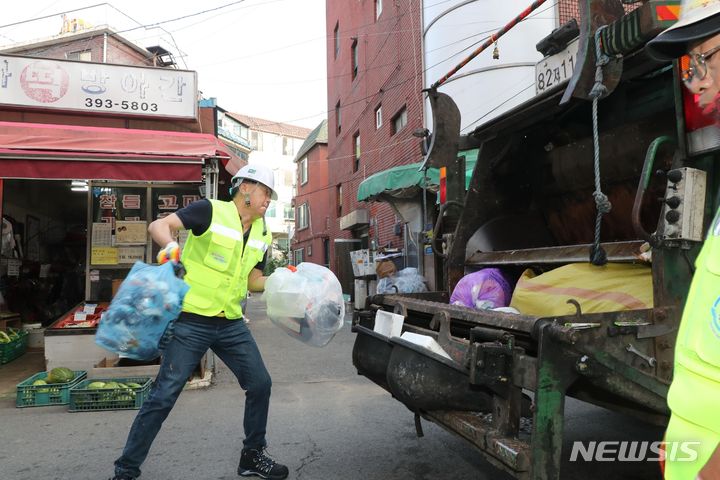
139,322
407,280
308,304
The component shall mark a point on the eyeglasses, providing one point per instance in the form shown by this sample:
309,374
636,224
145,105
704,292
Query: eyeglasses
694,65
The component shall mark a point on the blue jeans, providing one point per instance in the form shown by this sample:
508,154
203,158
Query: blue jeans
232,341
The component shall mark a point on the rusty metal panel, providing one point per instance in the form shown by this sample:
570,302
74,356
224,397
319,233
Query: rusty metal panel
625,252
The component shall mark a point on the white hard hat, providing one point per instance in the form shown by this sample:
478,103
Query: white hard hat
256,173
698,19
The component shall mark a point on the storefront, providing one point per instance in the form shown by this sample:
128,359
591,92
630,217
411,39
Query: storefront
76,202
90,154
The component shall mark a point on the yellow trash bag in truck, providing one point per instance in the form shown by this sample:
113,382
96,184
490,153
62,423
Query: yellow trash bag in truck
610,288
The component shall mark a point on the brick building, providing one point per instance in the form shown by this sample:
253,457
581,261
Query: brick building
374,59
311,242
97,44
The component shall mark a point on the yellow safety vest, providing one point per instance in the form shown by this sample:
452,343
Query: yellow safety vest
217,268
695,390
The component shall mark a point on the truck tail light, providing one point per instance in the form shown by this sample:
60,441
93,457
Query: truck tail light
703,134
443,184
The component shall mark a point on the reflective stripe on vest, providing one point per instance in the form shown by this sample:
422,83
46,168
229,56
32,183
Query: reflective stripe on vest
695,388
217,268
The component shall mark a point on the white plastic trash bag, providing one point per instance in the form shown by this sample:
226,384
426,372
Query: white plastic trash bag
307,304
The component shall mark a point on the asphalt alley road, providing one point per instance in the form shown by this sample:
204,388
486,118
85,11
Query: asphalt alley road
326,422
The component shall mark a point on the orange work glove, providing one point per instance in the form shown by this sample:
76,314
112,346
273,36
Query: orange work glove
171,253
292,268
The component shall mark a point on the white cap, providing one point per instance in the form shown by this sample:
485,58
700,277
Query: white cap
256,173
698,19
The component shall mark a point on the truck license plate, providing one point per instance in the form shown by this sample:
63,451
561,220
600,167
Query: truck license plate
556,69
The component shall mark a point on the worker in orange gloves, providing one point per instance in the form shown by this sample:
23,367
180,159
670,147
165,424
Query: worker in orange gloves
224,256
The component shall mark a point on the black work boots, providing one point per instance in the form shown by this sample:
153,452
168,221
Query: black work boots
256,462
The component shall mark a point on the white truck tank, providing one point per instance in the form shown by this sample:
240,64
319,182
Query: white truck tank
485,87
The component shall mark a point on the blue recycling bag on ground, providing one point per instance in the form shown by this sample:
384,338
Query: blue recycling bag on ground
138,324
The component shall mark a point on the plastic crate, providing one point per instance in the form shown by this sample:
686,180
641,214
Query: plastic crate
12,350
84,399
29,395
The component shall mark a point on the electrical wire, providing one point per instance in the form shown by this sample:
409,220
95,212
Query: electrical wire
370,67
414,76
499,105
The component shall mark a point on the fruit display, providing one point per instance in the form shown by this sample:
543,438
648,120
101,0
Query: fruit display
109,394
9,336
82,316
13,343
60,375
48,388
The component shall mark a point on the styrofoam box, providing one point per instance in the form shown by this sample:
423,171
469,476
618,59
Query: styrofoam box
106,369
363,262
388,324
360,293
425,341
76,352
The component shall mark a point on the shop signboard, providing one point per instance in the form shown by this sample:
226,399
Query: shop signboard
97,87
130,232
104,256
166,201
130,255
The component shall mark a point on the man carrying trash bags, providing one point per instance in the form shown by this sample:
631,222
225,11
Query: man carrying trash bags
224,257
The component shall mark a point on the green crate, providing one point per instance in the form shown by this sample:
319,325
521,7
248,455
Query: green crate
83,399
29,395
12,350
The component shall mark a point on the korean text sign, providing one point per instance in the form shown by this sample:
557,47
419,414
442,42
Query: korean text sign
98,87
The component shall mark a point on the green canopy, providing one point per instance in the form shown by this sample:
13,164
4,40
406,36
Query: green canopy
396,180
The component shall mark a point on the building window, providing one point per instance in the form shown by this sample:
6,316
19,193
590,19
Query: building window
339,200
354,58
299,254
287,146
336,36
302,216
83,55
399,120
378,8
283,244
303,171
289,213
378,117
256,141
338,119
356,151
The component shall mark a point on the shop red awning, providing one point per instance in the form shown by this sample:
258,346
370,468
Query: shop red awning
40,151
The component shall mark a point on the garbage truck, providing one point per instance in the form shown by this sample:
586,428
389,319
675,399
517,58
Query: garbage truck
614,170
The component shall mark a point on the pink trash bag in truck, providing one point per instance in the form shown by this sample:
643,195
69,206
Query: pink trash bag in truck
485,289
